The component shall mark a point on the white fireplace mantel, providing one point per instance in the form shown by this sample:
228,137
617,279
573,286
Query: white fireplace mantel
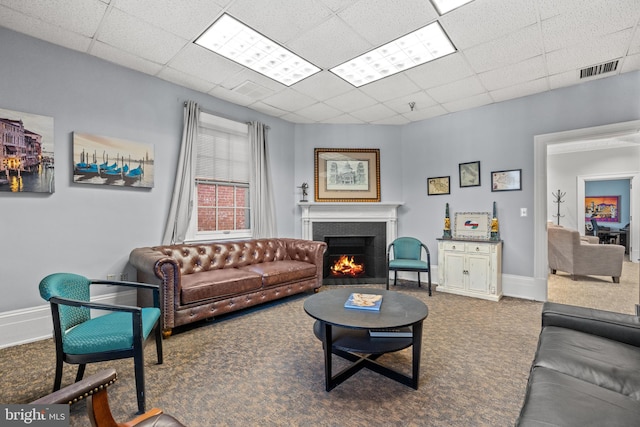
350,212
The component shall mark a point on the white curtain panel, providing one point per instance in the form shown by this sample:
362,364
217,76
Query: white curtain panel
183,190
263,222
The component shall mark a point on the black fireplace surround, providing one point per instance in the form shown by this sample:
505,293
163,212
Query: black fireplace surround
365,241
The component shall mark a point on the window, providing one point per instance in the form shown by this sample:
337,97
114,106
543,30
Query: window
222,207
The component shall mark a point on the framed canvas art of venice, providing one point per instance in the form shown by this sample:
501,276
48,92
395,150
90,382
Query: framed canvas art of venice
26,152
602,208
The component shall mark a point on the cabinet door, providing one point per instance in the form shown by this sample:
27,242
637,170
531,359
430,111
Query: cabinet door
479,272
454,274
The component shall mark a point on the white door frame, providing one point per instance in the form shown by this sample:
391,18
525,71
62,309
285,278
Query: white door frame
540,260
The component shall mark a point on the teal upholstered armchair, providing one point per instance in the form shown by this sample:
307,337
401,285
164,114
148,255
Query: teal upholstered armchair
405,254
82,339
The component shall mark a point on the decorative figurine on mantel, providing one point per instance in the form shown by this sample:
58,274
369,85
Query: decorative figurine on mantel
304,188
447,224
495,228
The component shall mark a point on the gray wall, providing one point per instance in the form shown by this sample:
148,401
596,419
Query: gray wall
91,230
501,137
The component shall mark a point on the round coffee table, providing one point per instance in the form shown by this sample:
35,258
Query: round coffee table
345,331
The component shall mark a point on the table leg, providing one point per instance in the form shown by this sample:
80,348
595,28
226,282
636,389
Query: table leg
327,344
417,348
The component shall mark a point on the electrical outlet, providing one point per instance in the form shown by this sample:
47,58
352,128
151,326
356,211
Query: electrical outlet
124,276
111,276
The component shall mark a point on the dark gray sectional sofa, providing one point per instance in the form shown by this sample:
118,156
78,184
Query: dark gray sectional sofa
586,371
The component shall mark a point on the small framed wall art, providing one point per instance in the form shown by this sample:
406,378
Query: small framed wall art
508,180
347,175
438,185
469,174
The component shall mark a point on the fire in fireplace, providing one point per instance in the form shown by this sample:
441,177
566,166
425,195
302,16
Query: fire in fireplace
345,266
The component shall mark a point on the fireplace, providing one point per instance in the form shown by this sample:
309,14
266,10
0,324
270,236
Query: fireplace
356,252
376,224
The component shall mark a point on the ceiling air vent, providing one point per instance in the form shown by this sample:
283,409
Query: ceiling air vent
252,90
596,70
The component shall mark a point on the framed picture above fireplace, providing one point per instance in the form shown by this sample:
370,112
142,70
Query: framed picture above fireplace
347,175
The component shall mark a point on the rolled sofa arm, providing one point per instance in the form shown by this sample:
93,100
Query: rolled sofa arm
157,268
311,251
619,327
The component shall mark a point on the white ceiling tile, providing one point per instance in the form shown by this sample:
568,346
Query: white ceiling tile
186,80
468,103
567,78
401,105
268,109
204,64
149,42
499,39
380,21
511,49
352,100
289,99
583,55
280,20
453,91
481,21
42,30
185,20
395,120
235,78
323,85
520,90
444,70
78,16
345,44
390,87
425,113
373,113
296,118
319,112
530,69
228,95
592,19
124,59
631,63
337,5
344,119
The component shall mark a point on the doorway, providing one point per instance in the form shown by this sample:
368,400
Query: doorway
628,131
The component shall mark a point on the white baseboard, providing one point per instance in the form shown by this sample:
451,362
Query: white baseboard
34,324
524,287
512,286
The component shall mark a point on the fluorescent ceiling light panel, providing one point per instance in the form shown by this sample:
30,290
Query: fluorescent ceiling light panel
234,40
416,48
444,6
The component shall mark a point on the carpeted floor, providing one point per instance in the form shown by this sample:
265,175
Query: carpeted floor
264,367
597,292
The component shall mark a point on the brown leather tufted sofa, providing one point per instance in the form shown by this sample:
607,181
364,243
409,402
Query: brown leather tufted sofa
200,281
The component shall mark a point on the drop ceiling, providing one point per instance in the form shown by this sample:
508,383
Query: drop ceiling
505,49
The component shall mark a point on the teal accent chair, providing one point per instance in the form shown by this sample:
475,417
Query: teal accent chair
119,334
405,254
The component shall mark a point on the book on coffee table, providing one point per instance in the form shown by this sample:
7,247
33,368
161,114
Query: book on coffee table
404,332
364,301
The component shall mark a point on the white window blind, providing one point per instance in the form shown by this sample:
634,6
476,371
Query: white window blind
223,150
